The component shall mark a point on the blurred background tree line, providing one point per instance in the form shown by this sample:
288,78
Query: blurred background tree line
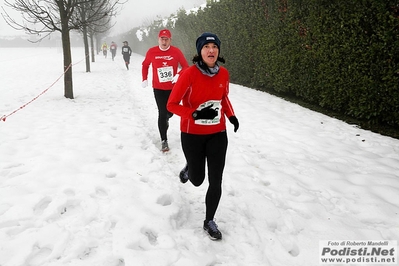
334,56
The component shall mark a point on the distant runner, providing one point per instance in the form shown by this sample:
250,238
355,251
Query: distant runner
126,52
104,47
113,48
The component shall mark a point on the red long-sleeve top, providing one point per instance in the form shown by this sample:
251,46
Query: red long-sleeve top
165,65
194,91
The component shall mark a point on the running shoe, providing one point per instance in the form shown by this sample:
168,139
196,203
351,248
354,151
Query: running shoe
184,174
165,146
212,229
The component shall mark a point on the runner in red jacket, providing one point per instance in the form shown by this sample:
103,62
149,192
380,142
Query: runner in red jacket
200,98
113,47
198,90
165,60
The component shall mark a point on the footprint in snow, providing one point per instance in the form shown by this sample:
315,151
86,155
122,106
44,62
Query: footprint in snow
101,192
112,261
69,192
151,236
165,200
38,255
111,175
104,159
42,205
119,146
294,250
68,207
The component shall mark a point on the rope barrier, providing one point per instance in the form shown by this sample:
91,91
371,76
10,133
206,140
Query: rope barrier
4,117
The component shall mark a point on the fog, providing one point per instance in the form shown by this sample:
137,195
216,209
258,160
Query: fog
143,13
132,14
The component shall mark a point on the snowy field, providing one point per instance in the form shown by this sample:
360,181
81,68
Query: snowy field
82,181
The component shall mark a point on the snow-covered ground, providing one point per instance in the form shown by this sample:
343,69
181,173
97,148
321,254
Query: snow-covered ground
83,182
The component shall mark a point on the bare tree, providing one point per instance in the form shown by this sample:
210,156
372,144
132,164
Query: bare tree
46,16
96,18
95,35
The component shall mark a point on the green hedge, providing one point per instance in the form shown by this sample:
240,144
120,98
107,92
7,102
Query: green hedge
340,55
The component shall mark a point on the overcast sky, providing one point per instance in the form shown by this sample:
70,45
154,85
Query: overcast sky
134,13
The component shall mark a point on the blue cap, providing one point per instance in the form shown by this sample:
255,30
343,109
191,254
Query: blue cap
205,38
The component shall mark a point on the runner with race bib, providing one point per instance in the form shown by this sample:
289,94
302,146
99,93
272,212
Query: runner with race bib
165,60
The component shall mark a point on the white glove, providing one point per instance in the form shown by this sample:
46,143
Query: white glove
175,78
144,84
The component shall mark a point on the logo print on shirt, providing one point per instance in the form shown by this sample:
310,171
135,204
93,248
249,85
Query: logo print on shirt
164,57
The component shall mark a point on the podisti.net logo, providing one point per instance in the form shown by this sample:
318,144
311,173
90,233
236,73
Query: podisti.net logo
363,252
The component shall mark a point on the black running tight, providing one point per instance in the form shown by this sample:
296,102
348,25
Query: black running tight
161,98
210,149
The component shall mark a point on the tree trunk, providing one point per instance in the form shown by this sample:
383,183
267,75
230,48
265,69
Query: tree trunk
98,44
66,49
92,48
84,31
86,43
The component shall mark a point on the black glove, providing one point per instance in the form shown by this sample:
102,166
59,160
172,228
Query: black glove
206,113
234,121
